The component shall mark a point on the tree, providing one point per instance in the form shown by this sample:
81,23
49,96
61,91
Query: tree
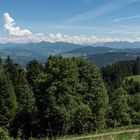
82,119
26,106
119,108
8,104
57,96
134,101
94,92
12,70
136,67
33,70
24,94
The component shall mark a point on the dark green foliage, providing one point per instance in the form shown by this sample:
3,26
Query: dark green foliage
12,70
119,112
67,96
33,70
104,59
133,89
115,74
4,134
25,96
26,106
82,119
59,96
66,89
136,67
94,92
8,104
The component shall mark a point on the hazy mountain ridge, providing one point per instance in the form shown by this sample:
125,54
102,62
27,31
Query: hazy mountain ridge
119,44
100,55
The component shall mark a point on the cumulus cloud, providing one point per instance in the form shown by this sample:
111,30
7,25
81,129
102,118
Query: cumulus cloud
12,29
19,35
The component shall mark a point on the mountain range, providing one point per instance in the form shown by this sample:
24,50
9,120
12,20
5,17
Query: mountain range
101,54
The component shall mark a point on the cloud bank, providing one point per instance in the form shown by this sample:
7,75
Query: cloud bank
19,35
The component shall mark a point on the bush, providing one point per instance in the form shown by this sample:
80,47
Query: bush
136,117
4,134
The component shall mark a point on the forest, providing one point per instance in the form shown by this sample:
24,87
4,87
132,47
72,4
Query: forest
66,96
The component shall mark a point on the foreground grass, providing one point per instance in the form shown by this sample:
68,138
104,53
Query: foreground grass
121,133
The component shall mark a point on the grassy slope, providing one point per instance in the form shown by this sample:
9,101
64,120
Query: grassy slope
135,78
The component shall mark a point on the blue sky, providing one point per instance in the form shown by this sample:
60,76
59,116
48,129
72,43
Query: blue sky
100,18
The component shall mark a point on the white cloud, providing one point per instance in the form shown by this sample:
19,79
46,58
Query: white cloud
12,29
64,38
18,35
86,39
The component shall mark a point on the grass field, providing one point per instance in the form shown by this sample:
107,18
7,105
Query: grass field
134,77
128,136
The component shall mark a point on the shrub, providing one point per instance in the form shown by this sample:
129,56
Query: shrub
4,134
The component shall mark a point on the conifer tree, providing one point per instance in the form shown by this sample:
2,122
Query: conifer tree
33,70
8,104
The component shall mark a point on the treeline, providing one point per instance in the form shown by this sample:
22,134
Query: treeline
124,94
114,74
65,96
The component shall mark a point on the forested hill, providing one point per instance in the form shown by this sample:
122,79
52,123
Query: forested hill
105,59
114,74
67,96
87,50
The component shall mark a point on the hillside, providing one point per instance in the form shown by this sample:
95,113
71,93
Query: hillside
108,58
136,78
90,50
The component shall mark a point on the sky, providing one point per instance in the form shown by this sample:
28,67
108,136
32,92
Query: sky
74,21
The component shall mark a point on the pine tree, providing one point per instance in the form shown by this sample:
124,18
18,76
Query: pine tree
26,107
24,94
8,104
136,67
33,70
12,70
